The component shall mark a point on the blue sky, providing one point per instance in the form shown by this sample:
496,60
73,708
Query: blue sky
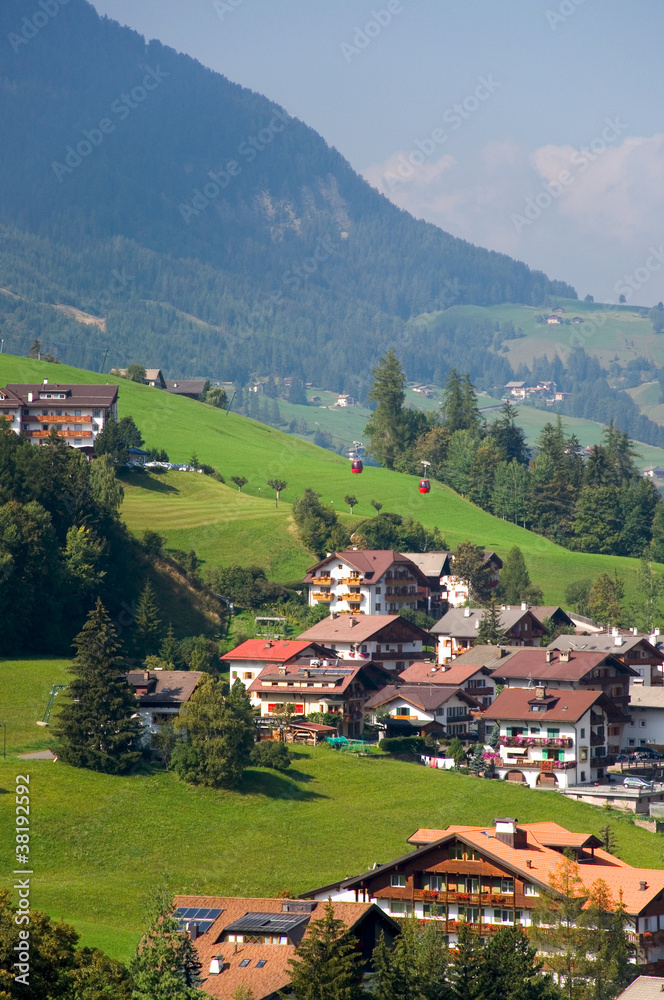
534,127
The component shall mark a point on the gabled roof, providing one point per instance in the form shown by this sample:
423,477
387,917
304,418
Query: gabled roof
340,672
274,651
536,862
420,696
562,705
607,642
486,656
530,663
543,611
457,623
452,676
372,564
432,563
643,988
84,395
184,387
274,974
641,696
166,687
358,628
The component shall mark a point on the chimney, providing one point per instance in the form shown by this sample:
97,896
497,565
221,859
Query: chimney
45,381
477,623
548,656
524,606
352,622
30,397
216,964
564,656
355,548
540,692
268,645
643,886
466,612
614,631
282,671
508,833
618,641
194,931
529,863
146,675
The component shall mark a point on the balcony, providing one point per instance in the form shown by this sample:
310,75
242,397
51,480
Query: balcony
350,581
60,419
538,765
552,742
598,739
322,581
67,434
322,596
352,598
608,760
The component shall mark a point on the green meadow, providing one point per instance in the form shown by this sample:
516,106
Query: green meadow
101,845
225,526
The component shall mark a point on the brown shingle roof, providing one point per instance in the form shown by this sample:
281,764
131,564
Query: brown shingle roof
275,974
431,673
371,563
422,696
173,687
564,705
359,628
530,662
84,395
457,623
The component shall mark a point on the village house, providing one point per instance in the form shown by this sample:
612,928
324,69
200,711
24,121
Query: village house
646,726
475,680
437,568
554,613
418,709
552,737
161,694
455,591
245,941
388,640
572,670
319,685
367,581
153,376
492,877
346,400
193,388
77,413
457,629
246,661
638,651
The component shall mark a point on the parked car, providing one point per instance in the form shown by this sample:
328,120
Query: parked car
631,781
643,752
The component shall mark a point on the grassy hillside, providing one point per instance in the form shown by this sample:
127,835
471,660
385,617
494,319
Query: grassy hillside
625,332
101,844
221,533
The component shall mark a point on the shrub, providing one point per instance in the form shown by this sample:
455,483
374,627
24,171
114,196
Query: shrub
270,754
403,744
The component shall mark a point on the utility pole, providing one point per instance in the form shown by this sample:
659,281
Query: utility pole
103,362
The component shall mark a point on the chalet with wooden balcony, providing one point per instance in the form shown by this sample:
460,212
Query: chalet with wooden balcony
568,669
245,942
415,710
77,413
368,582
445,588
305,685
640,652
551,737
246,661
492,877
457,629
388,640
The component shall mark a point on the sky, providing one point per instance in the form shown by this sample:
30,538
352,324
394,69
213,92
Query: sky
531,127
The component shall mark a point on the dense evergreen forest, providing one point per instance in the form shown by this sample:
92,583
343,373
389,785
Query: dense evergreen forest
211,231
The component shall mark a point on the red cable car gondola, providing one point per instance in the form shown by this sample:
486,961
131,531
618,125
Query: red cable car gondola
425,487
356,466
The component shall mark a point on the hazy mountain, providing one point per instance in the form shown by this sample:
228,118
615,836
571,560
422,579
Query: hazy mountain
212,231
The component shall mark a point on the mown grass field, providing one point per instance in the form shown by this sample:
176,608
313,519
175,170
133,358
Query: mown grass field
222,534
102,844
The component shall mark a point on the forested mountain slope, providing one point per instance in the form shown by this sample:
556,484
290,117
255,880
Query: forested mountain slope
212,231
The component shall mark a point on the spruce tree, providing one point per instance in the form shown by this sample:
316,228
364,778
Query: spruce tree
327,964
170,649
464,967
514,577
166,965
96,728
508,969
385,428
148,622
556,927
490,632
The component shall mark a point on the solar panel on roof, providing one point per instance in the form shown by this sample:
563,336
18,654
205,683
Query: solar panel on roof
321,671
204,917
267,922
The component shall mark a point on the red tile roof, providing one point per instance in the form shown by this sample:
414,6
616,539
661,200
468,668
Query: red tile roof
431,673
360,628
278,651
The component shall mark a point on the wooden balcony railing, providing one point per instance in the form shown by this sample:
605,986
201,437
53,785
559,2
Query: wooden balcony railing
322,581
322,596
60,419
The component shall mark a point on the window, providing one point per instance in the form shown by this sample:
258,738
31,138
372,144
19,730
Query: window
244,963
471,914
507,885
247,676
502,916
642,723
529,889
379,590
583,754
435,883
400,907
363,649
472,884
96,413
553,733
583,734
631,743
261,963
583,776
378,609
403,710
534,731
77,413
396,879
456,851
433,910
